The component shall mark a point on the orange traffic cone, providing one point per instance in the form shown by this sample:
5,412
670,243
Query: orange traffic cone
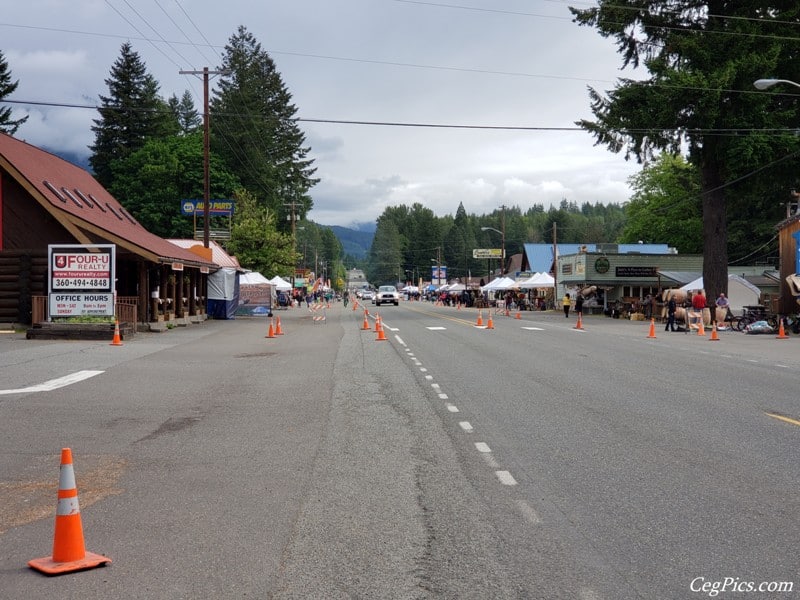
781,331
381,335
479,323
377,323
579,324
69,552
271,331
278,330
714,337
117,341
652,333
489,323
701,329
519,314
365,326
508,314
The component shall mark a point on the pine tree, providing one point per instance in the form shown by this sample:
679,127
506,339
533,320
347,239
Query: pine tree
129,116
7,124
255,130
702,60
185,113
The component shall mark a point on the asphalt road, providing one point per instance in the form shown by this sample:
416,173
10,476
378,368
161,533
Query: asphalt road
532,460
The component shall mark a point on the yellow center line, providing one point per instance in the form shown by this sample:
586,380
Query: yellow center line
441,316
782,418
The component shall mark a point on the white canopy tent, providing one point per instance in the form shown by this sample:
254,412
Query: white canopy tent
252,278
539,280
280,283
740,292
499,284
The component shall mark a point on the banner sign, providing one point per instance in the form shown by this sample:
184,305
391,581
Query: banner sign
487,253
223,208
81,279
438,275
636,271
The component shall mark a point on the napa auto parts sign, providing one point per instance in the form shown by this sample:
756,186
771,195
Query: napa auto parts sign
81,280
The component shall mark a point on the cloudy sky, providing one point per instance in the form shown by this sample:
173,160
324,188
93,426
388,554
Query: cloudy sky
513,74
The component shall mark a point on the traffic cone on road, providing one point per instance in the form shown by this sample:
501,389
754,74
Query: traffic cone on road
479,322
490,323
377,323
652,333
781,331
519,314
117,341
365,326
69,552
278,330
579,324
701,329
381,335
270,331
714,337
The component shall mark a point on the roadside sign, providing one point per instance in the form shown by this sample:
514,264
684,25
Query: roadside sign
487,253
81,279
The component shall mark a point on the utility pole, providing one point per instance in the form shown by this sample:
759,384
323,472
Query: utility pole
555,264
503,242
206,167
293,220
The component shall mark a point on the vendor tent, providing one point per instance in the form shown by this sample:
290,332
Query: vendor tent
541,280
280,283
223,293
740,292
501,283
252,278
256,295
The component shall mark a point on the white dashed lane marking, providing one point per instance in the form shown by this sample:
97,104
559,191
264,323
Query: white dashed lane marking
465,425
54,384
528,512
505,478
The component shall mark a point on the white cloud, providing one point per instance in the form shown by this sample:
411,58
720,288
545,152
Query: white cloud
521,65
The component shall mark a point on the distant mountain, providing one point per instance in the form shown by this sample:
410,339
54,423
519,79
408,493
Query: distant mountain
355,242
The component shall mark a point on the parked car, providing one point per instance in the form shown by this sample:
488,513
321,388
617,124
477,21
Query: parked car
387,294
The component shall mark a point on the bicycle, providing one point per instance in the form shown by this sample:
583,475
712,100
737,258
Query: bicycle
751,314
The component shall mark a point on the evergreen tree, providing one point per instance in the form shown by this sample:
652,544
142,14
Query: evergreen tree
702,59
7,124
185,114
385,255
130,115
459,242
256,132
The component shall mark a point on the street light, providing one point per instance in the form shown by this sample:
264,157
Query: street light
763,84
503,248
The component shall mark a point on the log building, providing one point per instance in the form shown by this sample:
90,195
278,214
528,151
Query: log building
47,200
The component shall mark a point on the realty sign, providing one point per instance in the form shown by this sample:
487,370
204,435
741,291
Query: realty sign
81,279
